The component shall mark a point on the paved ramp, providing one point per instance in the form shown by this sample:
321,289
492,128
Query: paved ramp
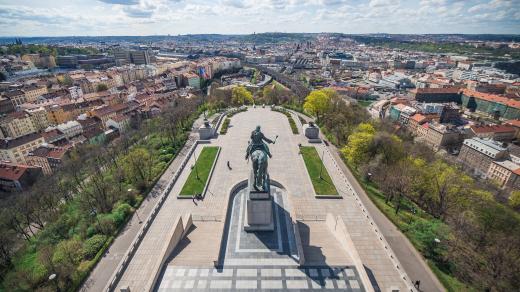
199,247
320,247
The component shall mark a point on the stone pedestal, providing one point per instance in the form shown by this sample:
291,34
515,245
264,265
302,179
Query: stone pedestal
311,131
206,131
259,208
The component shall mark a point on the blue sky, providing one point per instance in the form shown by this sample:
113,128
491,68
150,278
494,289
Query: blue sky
147,17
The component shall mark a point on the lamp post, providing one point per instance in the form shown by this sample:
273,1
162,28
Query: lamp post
195,165
321,166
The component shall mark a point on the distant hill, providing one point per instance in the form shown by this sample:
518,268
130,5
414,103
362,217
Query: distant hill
259,38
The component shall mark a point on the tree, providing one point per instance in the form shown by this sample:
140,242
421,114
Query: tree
318,102
514,199
138,166
358,147
101,87
240,96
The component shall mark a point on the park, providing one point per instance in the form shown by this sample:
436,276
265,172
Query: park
319,237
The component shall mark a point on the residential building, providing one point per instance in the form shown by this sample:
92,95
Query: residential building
448,94
48,157
494,105
477,154
17,124
38,117
503,133
120,122
16,178
70,128
15,150
505,173
17,97
32,92
440,136
193,80
5,105
75,92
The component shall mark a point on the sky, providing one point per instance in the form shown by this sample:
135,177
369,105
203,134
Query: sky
163,17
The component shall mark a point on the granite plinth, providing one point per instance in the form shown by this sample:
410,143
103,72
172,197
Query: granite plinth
259,207
311,131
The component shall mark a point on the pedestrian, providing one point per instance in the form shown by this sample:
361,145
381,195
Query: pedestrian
417,284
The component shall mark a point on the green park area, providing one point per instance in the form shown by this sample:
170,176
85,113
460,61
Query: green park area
200,172
321,181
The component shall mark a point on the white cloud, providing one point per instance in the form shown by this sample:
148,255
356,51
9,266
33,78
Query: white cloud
111,17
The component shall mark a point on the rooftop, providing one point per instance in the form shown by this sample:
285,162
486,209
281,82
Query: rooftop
485,146
13,143
480,129
12,171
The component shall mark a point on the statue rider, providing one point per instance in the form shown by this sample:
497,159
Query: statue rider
257,143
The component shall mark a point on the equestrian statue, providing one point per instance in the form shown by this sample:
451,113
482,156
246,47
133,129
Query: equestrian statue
259,153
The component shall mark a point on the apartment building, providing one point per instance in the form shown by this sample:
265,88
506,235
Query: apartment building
48,157
477,154
70,128
32,92
16,178
505,172
15,150
502,133
17,124
439,136
38,117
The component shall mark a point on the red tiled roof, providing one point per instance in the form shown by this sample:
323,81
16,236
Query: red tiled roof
492,129
418,118
493,97
12,171
514,123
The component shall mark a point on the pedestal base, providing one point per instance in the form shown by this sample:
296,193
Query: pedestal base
259,214
259,207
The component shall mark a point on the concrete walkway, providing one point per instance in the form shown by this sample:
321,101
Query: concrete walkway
411,260
100,276
287,168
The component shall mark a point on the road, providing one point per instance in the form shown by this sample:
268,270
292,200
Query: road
106,266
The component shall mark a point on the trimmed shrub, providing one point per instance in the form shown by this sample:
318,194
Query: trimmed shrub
92,245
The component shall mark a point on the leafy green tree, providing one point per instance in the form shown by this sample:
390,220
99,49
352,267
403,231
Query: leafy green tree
240,96
357,149
318,102
514,199
138,166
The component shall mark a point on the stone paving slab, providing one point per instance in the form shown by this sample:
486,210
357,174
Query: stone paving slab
264,278
288,168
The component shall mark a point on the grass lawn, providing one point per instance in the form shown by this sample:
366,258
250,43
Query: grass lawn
322,186
194,185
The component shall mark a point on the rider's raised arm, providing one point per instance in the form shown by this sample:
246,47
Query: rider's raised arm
267,139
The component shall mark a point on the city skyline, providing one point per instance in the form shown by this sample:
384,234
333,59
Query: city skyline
163,17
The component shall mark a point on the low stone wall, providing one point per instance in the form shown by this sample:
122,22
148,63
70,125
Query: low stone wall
339,230
379,234
119,271
175,234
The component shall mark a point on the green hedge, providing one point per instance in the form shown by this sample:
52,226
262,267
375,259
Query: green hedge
294,128
225,125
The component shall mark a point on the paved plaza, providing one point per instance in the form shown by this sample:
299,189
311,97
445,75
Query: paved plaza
216,239
278,278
